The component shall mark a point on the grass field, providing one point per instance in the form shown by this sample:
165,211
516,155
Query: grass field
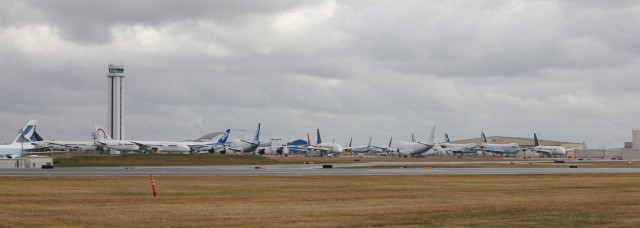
208,159
159,160
323,201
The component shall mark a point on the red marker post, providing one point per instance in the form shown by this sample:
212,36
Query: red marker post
153,187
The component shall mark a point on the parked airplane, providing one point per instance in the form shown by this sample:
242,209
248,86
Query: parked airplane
103,139
238,145
547,150
502,149
211,147
388,150
324,149
359,149
65,145
275,147
142,146
457,149
415,148
22,144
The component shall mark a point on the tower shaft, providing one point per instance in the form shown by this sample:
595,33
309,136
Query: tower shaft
116,101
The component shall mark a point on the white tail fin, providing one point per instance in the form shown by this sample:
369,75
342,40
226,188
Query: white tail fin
101,135
256,139
432,135
24,136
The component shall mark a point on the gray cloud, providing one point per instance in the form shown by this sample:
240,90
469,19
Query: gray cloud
351,68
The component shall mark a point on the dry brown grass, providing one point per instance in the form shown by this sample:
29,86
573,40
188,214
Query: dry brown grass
323,201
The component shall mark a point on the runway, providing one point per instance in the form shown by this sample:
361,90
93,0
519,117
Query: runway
304,170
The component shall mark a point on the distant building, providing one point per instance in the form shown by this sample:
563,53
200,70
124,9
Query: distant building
297,146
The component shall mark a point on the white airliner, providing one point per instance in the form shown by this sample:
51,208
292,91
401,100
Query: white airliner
238,145
142,146
548,151
22,144
414,148
457,149
324,149
501,149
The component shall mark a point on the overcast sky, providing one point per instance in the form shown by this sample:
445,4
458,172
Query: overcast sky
565,69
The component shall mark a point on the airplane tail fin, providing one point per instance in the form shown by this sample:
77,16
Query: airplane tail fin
535,140
350,141
432,135
446,137
391,139
101,135
223,139
413,137
36,137
483,137
369,142
256,139
308,140
24,136
319,140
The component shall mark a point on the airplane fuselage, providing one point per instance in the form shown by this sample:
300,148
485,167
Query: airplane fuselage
550,150
332,148
460,148
169,147
510,148
242,146
360,149
411,148
120,145
15,149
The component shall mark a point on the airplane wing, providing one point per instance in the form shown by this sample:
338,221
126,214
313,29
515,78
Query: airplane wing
144,146
427,144
546,152
252,143
69,146
492,151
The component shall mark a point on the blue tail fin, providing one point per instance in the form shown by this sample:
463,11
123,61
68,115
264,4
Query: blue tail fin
319,140
446,137
483,137
223,139
535,140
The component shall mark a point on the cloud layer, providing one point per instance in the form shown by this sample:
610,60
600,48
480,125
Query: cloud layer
351,68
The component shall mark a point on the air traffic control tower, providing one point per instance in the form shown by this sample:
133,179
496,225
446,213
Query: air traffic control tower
116,101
